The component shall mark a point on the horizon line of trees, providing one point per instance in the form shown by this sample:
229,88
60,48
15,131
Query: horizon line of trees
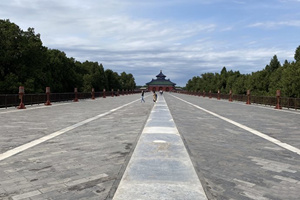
24,61
265,82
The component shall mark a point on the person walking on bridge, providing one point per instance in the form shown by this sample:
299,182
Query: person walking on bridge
154,97
143,96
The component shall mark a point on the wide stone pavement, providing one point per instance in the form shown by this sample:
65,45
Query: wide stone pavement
239,151
85,162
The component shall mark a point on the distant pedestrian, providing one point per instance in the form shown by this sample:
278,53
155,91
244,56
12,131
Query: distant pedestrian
143,96
154,97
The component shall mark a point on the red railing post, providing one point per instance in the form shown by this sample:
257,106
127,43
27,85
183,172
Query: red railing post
48,103
104,95
230,95
76,93
278,94
21,94
248,97
93,93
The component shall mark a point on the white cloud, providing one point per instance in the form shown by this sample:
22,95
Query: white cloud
276,24
121,32
109,32
289,1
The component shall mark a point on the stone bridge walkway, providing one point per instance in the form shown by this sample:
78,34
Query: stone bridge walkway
82,150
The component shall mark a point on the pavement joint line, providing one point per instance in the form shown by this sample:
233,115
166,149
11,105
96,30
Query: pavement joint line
27,109
40,106
253,131
26,195
33,143
284,109
276,110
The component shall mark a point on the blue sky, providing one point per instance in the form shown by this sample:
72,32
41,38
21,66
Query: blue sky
184,38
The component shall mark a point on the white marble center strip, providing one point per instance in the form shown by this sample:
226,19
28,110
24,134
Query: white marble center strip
160,167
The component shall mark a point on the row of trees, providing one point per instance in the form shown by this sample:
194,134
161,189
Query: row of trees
25,61
273,77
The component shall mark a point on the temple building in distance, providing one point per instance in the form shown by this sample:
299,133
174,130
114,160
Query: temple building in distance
160,83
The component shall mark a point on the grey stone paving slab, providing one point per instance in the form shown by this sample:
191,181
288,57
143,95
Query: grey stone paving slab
233,163
84,163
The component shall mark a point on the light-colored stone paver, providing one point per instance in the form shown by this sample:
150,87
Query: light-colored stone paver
26,195
86,179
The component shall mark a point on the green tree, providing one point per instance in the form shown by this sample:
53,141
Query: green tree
265,82
209,82
103,78
127,81
61,76
274,64
130,82
10,50
275,81
10,84
231,79
239,84
223,80
113,80
21,54
194,84
259,83
297,54
94,77
290,80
